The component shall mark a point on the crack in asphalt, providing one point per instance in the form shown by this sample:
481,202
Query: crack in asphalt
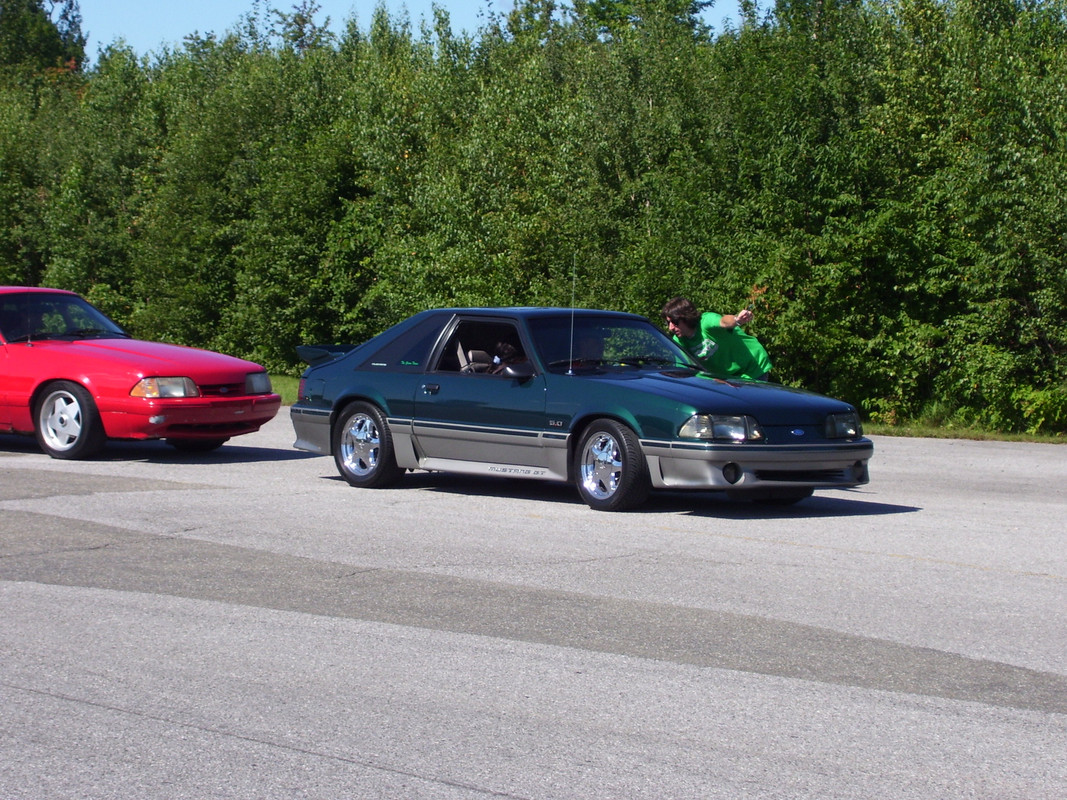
271,743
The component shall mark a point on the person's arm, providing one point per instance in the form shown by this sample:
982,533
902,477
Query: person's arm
742,317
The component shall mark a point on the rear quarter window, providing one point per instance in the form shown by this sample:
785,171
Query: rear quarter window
408,352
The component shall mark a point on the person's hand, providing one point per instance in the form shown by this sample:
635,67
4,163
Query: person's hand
743,317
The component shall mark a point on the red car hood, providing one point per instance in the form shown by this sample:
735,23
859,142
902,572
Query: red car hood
152,359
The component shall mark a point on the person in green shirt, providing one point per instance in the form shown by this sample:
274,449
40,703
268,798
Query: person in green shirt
717,341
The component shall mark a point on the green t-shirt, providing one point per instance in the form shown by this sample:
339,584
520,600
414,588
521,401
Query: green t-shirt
726,351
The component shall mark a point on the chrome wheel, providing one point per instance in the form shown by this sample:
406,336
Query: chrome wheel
363,447
609,467
601,466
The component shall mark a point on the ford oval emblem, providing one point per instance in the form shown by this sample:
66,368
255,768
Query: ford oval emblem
797,432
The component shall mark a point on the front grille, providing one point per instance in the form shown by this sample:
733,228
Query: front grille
805,476
223,390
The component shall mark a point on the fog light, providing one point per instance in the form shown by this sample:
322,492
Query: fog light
731,472
159,419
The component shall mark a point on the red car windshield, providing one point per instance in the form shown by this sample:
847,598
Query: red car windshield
33,316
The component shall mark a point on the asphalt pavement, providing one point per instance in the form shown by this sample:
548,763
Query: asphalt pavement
243,624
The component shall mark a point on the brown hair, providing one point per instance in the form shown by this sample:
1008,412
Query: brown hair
681,310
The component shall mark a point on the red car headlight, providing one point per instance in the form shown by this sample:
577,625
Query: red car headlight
257,383
154,388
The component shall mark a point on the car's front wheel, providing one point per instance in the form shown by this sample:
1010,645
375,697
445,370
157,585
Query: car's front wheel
67,422
609,467
363,447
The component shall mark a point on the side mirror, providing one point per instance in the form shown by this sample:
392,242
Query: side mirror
522,371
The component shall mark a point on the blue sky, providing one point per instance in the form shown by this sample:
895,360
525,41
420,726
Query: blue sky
147,24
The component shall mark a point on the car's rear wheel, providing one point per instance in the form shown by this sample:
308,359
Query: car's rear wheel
609,467
67,422
197,445
363,447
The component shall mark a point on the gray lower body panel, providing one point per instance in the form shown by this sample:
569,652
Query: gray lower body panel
738,467
672,465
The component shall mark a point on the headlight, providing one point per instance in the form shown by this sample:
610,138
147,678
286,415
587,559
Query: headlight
721,428
165,387
845,425
257,383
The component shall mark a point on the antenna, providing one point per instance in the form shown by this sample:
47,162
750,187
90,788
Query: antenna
570,357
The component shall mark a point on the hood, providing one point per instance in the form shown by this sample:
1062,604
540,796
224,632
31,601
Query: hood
770,403
153,359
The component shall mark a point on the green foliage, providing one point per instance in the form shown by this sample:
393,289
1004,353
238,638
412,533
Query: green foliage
1044,410
37,36
882,181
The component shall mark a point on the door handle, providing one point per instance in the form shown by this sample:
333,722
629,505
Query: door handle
431,388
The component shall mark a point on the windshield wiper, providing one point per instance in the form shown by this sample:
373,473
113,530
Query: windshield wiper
579,362
645,361
85,333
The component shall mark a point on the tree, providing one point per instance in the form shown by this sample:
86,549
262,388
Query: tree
41,35
298,28
882,179
614,16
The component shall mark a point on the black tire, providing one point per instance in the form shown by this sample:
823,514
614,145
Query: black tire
609,467
197,445
363,447
67,424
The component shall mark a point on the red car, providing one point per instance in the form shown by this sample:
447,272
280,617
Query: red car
74,378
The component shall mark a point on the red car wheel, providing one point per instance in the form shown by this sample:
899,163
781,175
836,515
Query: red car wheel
67,422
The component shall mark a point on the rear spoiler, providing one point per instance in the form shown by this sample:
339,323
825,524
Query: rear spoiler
321,353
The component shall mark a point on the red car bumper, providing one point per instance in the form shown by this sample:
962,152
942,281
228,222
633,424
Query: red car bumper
189,418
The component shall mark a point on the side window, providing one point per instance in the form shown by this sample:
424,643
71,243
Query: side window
477,347
12,323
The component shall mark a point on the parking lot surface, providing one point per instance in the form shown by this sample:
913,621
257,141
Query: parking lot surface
243,624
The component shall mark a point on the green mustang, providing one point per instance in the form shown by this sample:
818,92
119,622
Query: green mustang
598,398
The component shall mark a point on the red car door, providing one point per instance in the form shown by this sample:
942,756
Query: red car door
16,384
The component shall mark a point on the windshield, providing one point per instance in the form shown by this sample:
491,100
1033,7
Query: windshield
32,316
588,342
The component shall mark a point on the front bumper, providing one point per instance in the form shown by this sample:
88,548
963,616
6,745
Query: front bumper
674,465
190,418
